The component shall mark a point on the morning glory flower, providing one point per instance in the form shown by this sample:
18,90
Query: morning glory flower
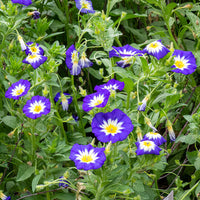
35,14
23,2
18,89
35,60
155,137
127,54
185,62
110,85
87,157
33,48
72,60
4,197
98,99
36,107
156,49
147,147
66,99
22,43
112,126
63,182
84,61
85,6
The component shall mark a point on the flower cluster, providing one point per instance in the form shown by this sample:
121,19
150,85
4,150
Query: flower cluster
74,63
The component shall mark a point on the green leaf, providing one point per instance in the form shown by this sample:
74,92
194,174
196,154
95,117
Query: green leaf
189,118
124,73
145,66
192,156
112,3
25,172
95,73
197,163
10,121
36,180
129,85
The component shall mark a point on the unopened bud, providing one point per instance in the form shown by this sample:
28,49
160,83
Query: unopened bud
170,130
123,14
66,174
101,72
39,187
197,22
148,28
113,94
45,91
189,6
82,91
139,134
93,142
107,149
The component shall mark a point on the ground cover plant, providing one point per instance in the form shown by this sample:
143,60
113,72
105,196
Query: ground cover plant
99,99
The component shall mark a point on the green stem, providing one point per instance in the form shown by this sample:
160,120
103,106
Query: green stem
67,22
128,100
198,44
171,36
48,194
58,115
108,8
76,106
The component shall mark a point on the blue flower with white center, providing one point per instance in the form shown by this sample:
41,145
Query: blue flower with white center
36,107
112,126
84,61
35,60
156,49
33,48
23,2
185,62
4,197
66,99
97,99
18,89
155,137
110,85
127,53
63,182
22,43
87,157
147,147
85,6
72,60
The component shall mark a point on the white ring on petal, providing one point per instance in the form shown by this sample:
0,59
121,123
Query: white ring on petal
97,100
19,89
182,61
87,157
147,145
37,105
158,47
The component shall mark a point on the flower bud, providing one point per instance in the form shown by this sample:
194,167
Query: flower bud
139,134
45,91
148,28
82,91
189,6
101,72
66,174
123,14
107,149
171,131
148,122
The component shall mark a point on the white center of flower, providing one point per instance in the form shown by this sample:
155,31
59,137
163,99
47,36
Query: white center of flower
153,135
154,47
87,157
33,58
147,145
128,53
110,87
19,89
111,127
85,5
181,62
97,100
34,49
37,107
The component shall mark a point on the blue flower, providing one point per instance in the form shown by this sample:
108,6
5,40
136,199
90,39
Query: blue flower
98,99
156,49
87,157
33,48
84,61
35,60
4,197
22,43
66,99
147,147
63,182
23,2
36,107
35,14
112,126
142,107
185,62
18,89
127,53
72,60
110,85
155,137
85,6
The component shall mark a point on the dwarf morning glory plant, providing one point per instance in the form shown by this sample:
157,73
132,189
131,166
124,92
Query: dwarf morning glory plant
156,49
33,49
185,62
35,60
98,99
127,53
85,6
110,85
36,107
18,89
112,126
66,99
147,147
155,137
23,2
87,157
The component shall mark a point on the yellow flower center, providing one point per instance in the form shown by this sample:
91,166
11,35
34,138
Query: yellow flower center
153,133
18,92
179,64
153,45
86,158
98,102
147,144
111,129
33,49
37,108
32,56
85,5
